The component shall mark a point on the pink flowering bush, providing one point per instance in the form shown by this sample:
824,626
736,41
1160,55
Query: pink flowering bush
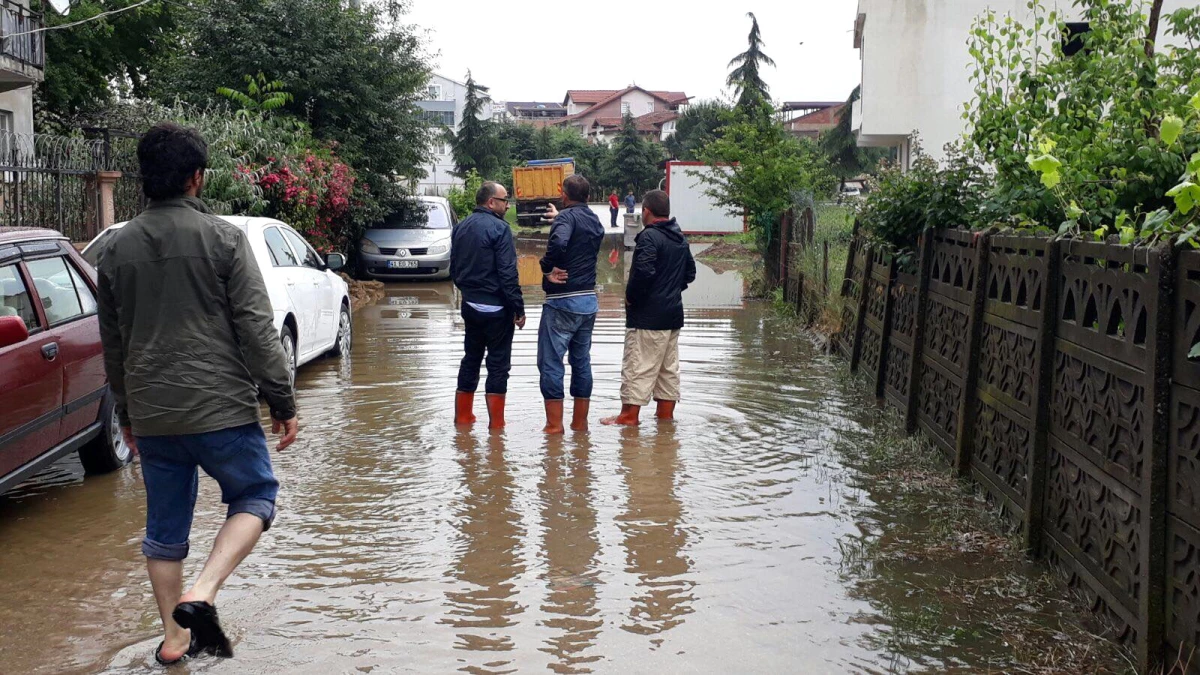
312,193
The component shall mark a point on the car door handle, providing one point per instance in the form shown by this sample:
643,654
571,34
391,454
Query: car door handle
291,282
50,351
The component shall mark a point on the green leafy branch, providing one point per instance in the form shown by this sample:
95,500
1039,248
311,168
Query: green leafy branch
261,96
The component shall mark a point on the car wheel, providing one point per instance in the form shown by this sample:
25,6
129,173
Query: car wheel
288,341
345,336
108,451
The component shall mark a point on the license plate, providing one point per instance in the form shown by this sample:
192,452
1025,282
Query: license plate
406,300
402,264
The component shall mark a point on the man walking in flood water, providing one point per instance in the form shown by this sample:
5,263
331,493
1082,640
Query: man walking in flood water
569,315
484,268
662,269
189,344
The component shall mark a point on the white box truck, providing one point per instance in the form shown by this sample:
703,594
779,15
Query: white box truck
695,210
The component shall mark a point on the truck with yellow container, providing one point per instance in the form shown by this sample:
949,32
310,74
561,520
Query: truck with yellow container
537,185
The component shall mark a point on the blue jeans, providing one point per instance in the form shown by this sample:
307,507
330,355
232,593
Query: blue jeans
237,458
561,333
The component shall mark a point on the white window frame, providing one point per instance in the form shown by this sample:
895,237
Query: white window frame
626,108
435,92
649,107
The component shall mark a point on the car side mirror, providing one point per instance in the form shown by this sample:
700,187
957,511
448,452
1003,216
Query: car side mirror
12,331
335,261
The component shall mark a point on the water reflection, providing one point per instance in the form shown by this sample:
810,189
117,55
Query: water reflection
488,552
654,539
570,546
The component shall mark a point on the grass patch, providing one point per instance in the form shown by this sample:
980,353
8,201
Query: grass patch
822,286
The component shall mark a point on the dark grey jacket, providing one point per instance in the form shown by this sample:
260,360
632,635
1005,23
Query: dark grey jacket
186,324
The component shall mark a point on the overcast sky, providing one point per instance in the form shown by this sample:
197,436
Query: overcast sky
535,50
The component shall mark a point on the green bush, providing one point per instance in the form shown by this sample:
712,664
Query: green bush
1090,142
462,199
903,204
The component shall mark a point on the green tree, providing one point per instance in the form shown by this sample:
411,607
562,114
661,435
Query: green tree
634,161
87,65
839,144
766,168
477,145
355,74
746,76
698,126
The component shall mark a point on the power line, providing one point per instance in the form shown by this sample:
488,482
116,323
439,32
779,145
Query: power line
81,21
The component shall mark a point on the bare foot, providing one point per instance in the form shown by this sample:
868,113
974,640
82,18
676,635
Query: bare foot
553,429
175,646
616,420
195,596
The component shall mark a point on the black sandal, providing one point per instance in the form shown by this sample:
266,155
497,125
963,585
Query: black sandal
201,618
193,649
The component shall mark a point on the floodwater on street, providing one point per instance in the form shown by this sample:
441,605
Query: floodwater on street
713,544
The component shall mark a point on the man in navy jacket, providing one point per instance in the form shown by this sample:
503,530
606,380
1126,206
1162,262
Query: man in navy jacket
662,269
484,267
569,314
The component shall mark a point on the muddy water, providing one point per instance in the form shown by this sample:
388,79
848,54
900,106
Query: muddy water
708,545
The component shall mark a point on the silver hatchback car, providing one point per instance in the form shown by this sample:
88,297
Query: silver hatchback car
410,247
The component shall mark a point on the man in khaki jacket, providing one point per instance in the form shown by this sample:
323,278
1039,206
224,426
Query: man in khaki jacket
189,344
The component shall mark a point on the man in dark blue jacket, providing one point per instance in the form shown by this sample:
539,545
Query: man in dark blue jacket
484,267
569,314
662,269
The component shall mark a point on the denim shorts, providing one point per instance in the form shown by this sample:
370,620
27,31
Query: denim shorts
237,458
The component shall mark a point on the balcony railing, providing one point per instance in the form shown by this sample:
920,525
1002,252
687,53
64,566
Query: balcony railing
21,37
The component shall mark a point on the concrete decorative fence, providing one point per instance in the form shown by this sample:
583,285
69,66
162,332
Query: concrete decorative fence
1055,374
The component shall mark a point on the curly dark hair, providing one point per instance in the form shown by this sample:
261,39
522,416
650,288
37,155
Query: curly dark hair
169,155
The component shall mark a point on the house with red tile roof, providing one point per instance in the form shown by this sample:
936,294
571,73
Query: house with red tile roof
822,118
597,114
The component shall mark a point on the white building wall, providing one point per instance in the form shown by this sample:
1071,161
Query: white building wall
439,178
20,103
915,62
638,101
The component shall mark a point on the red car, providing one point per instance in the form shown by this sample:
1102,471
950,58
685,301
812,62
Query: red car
54,396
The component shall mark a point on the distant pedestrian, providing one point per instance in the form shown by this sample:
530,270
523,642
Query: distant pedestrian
630,202
189,344
484,267
613,207
662,269
569,314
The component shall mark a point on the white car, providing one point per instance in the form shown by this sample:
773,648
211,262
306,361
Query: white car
311,302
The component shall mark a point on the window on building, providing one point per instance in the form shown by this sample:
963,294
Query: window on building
443,118
649,107
625,108
8,141
1073,37
435,92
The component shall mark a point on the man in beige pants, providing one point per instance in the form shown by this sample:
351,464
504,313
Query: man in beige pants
662,268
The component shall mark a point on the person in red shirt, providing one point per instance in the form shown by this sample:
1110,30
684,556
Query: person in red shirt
614,206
